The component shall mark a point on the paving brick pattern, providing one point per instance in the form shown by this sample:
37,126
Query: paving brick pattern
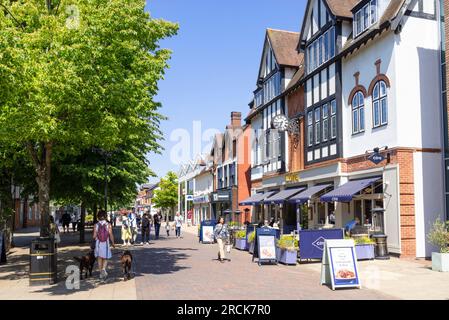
180,269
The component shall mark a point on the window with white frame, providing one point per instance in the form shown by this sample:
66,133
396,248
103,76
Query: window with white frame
325,114
321,50
310,128
333,119
317,126
380,104
272,87
358,113
365,17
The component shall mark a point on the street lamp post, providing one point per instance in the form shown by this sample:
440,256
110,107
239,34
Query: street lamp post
105,154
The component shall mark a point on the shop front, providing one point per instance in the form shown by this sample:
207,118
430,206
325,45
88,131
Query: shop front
202,210
221,204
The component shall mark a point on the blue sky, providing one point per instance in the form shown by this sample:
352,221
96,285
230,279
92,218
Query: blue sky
214,66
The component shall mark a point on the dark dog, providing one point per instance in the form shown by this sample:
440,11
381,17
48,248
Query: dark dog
126,261
86,263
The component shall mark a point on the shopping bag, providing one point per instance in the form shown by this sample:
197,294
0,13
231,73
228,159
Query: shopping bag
228,248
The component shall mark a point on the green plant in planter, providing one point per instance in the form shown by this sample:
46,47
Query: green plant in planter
439,235
288,242
251,237
241,234
364,240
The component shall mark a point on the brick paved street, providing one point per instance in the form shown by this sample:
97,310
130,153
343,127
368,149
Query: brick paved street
178,269
184,269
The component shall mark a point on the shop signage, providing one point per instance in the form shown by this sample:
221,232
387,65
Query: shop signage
339,264
265,246
189,197
311,245
2,248
207,231
201,199
221,196
376,158
292,178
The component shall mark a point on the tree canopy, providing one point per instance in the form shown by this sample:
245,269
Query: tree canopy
77,74
166,197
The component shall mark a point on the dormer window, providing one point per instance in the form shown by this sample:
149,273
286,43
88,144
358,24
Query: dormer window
365,17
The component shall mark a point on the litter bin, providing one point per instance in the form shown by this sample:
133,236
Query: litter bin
381,247
43,261
2,247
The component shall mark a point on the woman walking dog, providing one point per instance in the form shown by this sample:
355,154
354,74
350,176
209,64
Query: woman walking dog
104,239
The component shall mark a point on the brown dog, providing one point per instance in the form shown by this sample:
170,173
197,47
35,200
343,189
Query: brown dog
86,263
126,261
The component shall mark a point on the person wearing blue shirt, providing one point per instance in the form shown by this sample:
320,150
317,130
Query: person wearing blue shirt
351,225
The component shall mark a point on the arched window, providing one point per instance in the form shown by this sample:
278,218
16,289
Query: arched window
358,113
380,104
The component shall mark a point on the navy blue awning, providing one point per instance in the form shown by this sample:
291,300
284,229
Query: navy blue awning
256,199
283,195
346,192
307,194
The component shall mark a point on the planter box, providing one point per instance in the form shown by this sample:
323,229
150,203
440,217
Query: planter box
365,251
440,262
241,244
286,256
251,247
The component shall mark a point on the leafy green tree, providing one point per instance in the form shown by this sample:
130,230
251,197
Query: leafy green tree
166,197
76,74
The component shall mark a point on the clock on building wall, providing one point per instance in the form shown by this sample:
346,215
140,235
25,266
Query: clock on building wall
280,122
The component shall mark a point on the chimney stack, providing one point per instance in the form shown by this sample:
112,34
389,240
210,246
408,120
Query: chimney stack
236,119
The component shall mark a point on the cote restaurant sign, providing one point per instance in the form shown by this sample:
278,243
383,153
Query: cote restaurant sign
292,178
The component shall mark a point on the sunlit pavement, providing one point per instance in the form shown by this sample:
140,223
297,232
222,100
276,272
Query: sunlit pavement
177,269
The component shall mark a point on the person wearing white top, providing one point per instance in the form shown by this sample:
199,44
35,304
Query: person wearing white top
178,224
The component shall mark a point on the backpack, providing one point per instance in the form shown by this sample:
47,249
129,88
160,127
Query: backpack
103,232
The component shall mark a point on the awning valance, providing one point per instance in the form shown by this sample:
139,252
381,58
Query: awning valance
307,194
283,196
346,192
256,199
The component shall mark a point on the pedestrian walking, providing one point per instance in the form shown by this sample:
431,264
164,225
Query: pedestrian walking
157,224
104,239
178,224
74,222
221,235
133,224
145,228
126,230
66,221
167,227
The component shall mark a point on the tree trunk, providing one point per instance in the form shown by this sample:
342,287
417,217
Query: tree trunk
82,222
41,156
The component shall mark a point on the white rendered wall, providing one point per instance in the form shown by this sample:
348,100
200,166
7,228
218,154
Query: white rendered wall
418,92
428,198
412,65
203,184
363,61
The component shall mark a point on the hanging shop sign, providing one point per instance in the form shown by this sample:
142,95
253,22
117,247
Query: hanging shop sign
311,245
189,197
339,264
265,246
376,158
